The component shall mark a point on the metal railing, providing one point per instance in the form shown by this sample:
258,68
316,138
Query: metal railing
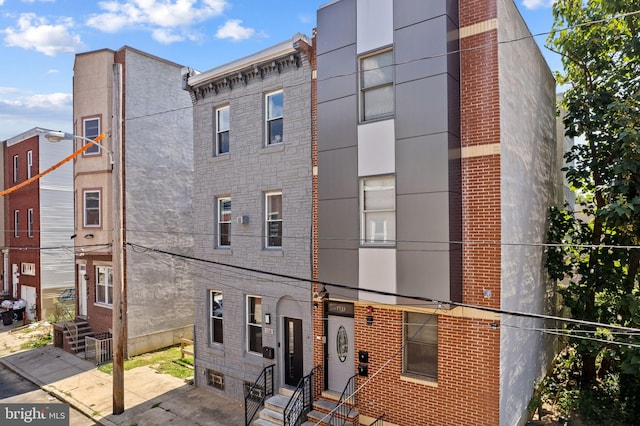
253,404
301,401
379,421
72,329
347,401
98,348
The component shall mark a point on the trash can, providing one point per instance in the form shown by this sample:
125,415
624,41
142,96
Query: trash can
17,314
7,317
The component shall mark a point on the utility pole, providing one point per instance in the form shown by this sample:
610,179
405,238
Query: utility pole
117,250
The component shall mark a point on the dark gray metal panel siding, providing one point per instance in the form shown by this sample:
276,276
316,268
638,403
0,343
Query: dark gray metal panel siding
421,107
342,233
336,26
337,266
408,12
337,73
338,179
337,124
424,164
428,40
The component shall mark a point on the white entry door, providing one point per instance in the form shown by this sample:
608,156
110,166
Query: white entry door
82,290
28,293
341,352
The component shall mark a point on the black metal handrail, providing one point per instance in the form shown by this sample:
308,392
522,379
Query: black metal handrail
347,401
301,401
262,386
379,421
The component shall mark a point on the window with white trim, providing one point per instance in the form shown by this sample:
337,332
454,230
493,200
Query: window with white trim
16,223
421,345
30,222
274,112
254,324
224,221
91,208
378,215
376,86
15,167
29,164
91,131
215,317
273,219
222,131
104,285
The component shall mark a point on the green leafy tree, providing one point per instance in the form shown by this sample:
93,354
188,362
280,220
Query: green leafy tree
599,44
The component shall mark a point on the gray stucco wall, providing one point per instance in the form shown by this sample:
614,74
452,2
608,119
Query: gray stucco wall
527,109
158,181
248,171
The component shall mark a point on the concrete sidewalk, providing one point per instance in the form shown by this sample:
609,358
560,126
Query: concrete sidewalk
151,398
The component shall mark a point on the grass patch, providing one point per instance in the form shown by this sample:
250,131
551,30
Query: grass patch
166,361
38,342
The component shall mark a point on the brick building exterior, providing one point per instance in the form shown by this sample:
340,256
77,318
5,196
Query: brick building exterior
252,198
436,159
157,178
38,266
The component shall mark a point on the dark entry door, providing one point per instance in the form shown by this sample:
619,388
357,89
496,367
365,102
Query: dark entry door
292,351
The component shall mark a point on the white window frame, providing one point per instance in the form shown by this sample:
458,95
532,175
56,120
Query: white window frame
270,118
29,164
88,133
28,269
367,215
85,208
215,316
426,326
16,223
16,159
221,130
30,223
269,221
223,221
254,322
378,86
104,290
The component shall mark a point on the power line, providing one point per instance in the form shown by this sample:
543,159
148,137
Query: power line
438,303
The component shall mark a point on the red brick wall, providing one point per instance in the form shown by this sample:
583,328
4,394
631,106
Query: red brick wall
99,317
468,374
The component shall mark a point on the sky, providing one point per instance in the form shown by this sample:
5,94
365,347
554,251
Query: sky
39,40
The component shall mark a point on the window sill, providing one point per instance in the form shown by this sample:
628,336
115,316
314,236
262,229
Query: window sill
221,157
272,252
103,305
276,147
419,380
223,251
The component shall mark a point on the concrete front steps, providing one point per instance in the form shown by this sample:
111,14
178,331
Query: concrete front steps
73,345
273,412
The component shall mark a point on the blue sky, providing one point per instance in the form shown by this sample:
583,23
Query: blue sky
39,38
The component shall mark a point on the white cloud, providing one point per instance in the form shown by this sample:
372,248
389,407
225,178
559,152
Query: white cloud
53,71
157,16
33,1
36,33
537,4
19,114
4,90
234,30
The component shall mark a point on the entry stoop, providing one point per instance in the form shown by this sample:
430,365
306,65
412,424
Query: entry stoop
273,412
322,407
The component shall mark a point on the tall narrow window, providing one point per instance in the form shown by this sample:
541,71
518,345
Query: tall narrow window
91,131
421,345
104,285
222,131
29,164
378,223
254,324
30,222
273,219
91,208
215,319
16,223
274,105
224,222
15,168
376,86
